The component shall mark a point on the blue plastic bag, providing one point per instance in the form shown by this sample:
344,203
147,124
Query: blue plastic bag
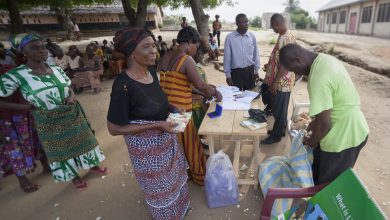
220,183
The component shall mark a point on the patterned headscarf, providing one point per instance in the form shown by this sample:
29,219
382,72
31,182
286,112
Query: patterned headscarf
19,41
126,40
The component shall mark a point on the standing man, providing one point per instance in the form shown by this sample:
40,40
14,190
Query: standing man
278,82
241,61
339,130
76,31
217,26
184,23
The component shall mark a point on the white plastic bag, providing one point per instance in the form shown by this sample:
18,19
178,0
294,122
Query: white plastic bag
220,183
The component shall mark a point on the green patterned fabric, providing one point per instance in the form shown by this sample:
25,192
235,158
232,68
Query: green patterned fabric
68,169
43,91
64,132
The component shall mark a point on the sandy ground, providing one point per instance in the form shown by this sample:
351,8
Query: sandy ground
118,196
370,53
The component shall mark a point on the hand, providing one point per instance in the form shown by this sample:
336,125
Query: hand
229,81
272,88
257,78
218,96
70,100
29,106
167,126
265,67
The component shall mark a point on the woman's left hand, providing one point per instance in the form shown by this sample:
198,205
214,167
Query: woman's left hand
71,99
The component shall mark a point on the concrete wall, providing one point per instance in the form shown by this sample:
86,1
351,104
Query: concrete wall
365,28
381,29
96,18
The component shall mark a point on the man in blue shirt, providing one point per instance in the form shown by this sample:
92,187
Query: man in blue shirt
241,60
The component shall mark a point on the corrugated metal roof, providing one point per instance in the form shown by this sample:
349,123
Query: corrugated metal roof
337,3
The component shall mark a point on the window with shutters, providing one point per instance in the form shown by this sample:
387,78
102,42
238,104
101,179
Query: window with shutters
334,17
384,13
343,15
367,14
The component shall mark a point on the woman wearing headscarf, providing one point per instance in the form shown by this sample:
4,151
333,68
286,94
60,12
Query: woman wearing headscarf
63,129
138,111
178,74
19,144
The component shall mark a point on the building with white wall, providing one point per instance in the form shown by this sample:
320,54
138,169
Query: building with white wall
87,17
362,17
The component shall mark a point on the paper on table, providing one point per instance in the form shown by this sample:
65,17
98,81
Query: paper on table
234,105
227,91
248,97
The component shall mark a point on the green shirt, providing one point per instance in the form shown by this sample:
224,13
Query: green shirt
330,87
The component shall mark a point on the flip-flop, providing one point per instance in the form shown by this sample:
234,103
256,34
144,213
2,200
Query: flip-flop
82,185
102,171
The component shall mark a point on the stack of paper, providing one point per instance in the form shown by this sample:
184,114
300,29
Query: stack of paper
233,99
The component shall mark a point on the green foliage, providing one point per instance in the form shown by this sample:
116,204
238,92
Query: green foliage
255,22
172,20
299,16
291,6
272,41
207,4
331,50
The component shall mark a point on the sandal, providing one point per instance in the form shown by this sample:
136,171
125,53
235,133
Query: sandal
81,185
99,170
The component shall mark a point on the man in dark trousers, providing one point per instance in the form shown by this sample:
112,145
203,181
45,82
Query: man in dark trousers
217,26
241,61
339,129
278,82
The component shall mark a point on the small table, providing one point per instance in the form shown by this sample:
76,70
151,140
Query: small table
228,124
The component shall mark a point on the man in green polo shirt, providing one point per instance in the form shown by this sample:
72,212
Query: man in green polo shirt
339,130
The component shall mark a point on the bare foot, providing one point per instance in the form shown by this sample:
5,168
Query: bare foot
26,185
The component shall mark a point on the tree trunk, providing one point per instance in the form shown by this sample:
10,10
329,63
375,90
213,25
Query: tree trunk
161,11
14,15
141,13
201,19
129,12
64,21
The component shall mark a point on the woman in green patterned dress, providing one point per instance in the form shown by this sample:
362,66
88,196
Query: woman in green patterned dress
62,127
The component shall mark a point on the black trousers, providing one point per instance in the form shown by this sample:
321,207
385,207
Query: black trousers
244,78
218,33
327,166
280,103
266,96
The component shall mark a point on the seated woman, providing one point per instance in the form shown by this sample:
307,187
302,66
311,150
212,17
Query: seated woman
89,72
138,111
214,51
178,74
117,63
61,60
74,60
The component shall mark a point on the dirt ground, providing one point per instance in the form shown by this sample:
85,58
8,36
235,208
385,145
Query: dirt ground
118,196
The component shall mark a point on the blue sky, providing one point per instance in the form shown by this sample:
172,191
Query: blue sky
251,8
